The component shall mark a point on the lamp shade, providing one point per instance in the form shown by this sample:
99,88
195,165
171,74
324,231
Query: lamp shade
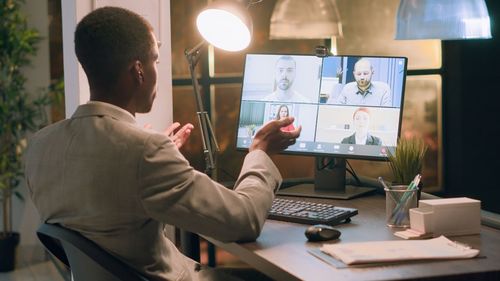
301,19
226,25
443,19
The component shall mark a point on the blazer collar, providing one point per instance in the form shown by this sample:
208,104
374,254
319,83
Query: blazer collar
94,108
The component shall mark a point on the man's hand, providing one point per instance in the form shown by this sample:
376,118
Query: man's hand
180,137
272,140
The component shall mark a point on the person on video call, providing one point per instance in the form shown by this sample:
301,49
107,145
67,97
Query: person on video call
364,91
283,85
361,123
101,174
282,113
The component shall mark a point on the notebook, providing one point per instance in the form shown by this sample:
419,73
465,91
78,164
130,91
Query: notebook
401,250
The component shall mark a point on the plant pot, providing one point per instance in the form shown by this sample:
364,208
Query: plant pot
8,245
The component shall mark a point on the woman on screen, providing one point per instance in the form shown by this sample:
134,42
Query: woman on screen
361,122
284,112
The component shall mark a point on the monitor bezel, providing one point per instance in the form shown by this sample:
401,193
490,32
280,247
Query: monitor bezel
328,154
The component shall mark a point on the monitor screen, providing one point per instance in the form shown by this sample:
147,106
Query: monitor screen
348,106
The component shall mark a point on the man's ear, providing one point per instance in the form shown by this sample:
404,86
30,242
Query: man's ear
137,71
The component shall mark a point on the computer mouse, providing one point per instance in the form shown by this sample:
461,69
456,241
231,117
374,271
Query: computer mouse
321,232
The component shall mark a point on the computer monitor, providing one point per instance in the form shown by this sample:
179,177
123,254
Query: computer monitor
348,107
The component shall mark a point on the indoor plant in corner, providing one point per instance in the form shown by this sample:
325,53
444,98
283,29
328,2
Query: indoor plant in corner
18,116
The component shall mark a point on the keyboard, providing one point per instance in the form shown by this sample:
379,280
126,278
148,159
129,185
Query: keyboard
292,210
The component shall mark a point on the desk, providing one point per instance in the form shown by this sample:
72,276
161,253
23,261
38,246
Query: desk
281,251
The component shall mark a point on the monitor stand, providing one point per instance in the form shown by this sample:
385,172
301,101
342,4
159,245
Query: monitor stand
329,182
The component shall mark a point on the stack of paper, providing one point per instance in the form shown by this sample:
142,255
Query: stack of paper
402,250
412,234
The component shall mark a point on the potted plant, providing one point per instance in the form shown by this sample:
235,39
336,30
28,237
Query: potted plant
407,160
18,116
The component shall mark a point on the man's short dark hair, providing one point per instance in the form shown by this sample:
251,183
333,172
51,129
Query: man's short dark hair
286,58
107,40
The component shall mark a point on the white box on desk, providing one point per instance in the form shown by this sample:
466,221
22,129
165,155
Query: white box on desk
450,216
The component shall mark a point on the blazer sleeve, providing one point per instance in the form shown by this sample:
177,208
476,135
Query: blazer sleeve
173,192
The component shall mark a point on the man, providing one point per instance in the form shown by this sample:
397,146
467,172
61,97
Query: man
365,91
361,122
284,77
118,184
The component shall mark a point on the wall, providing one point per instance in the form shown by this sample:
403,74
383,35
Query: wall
76,84
471,122
25,217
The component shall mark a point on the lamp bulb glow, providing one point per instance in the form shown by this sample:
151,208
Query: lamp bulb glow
223,29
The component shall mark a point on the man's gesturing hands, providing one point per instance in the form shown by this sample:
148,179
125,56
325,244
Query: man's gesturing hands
271,139
180,137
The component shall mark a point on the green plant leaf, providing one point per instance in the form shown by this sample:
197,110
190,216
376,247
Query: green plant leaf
19,114
407,160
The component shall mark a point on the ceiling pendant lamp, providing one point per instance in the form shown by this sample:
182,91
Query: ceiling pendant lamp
301,19
443,19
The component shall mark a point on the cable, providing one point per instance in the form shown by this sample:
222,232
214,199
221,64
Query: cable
321,165
353,173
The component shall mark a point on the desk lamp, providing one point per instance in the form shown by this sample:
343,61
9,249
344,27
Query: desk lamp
226,25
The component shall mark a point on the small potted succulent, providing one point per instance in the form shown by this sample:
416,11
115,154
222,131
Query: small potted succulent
407,160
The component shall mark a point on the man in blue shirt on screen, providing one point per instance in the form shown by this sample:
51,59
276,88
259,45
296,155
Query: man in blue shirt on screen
365,91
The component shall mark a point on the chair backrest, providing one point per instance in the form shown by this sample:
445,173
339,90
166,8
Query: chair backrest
85,259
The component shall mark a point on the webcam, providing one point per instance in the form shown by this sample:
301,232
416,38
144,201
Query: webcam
322,51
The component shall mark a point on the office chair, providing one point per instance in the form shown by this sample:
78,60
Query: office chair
85,259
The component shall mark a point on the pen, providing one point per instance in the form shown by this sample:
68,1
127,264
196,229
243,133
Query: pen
414,184
382,182
398,213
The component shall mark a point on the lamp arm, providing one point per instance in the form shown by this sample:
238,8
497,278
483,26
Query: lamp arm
194,53
209,141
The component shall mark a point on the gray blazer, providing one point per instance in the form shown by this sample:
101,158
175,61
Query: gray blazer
101,174
370,140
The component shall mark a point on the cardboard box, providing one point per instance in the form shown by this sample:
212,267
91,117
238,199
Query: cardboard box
451,216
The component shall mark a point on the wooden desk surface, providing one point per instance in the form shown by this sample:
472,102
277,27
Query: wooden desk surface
281,251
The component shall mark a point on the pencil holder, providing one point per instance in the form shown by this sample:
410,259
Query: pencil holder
398,202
